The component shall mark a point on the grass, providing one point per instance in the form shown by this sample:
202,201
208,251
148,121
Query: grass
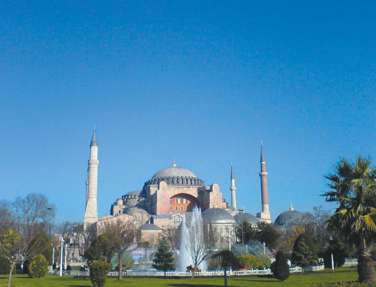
298,280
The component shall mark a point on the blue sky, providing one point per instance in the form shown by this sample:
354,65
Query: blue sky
199,82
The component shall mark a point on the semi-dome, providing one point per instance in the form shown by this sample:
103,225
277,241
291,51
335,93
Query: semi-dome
217,215
293,217
175,175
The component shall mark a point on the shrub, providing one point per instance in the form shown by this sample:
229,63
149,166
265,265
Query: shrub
253,262
279,267
98,272
38,267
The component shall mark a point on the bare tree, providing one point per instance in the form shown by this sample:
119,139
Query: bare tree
33,214
7,219
171,234
123,235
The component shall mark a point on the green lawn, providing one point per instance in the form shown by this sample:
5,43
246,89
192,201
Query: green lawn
307,279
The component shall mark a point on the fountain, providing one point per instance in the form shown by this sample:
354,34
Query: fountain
192,248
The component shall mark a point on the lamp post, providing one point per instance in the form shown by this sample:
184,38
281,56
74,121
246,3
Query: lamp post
331,254
61,255
53,256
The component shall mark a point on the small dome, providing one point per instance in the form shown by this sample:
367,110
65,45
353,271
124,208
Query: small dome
244,216
293,217
217,215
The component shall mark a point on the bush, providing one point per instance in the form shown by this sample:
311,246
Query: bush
4,266
98,272
253,262
279,267
38,267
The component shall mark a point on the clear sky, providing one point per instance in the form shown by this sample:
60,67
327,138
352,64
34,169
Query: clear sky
199,82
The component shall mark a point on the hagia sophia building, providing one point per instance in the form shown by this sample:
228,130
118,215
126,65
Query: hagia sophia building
167,196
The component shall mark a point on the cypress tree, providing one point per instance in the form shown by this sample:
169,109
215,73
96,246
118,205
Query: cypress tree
279,267
163,258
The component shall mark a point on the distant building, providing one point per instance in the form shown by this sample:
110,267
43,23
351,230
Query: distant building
169,194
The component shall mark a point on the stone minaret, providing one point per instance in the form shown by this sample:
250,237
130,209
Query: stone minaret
91,211
233,190
264,215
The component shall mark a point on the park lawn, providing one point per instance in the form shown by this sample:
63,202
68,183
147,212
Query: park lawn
307,279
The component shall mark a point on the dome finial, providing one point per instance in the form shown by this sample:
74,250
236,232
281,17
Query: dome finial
174,163
291,208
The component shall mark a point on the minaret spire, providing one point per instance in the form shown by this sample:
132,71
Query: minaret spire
94,138
233,190
91,209
265,211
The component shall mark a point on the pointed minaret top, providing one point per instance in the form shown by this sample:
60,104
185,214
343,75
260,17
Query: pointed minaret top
231,172
262,159
94,138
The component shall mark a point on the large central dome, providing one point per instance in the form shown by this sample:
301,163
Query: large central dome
175,175
174,171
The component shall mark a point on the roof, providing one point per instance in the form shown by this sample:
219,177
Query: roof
136,211
293,217
149,226
217,215
175,175
174,171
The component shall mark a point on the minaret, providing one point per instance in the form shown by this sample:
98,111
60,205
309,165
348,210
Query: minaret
233,190
265,212
91,212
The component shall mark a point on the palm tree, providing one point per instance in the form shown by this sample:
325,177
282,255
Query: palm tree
353,186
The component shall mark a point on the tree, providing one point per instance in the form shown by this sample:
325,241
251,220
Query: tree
115,239
7,219
33,214
163,258
100,248
268,234
303,254
353,188
279,267
98,272
122,236
245,232
10,244
227,260
38,267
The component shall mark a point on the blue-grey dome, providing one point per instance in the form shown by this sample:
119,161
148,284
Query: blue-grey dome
217,215
175,175
293,217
